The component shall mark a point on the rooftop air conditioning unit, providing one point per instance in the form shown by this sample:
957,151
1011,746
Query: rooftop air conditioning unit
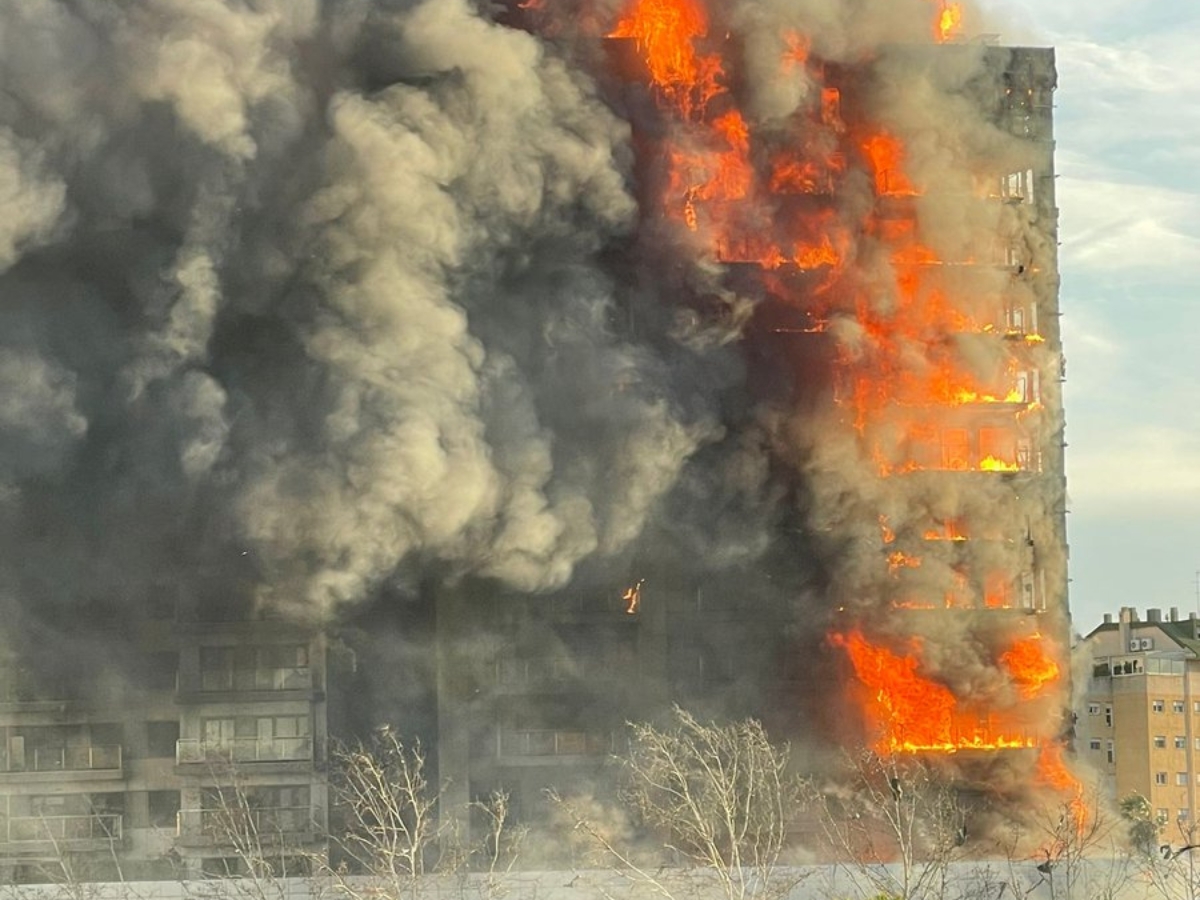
1147,643
1135,644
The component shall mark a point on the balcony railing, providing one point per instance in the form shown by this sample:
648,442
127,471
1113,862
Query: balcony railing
63,759
235,823
244,750
540,743
63,829
291,678
520,673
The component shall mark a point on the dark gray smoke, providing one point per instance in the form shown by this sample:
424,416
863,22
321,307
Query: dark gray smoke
300,294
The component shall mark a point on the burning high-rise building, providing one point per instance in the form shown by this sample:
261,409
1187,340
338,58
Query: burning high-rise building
871,224
573,359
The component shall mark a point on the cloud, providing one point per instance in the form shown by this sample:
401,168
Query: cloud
1145,464
1113,225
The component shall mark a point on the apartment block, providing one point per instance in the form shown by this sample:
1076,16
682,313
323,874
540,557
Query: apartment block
211,733
1139,723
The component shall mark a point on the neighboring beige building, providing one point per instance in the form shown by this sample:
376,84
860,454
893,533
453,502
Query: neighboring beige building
1140,720
143,776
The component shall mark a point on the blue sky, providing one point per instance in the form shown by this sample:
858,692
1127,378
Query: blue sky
1128,157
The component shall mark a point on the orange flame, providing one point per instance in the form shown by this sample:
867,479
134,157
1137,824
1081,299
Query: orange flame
1031,667
949,22
665,31
993,464
885,153
888,535
910,713
947,530
1052,770
898,561
633,597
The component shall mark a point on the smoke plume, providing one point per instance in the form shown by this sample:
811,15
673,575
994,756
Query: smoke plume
304,301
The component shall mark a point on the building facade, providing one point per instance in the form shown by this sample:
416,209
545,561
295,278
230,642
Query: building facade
1139,722
217,739
941,441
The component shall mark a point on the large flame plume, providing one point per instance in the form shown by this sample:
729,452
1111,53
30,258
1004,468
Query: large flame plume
910,261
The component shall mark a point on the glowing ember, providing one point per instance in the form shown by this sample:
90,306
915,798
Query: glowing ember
898,561
1031,667
633,597
888,535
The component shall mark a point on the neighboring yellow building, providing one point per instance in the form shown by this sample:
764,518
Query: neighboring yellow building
1140,720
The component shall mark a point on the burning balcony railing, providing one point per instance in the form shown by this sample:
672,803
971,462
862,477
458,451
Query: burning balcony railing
62,759
234,824
64,831
244,750
551,742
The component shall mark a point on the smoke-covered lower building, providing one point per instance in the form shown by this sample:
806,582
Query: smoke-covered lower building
206,737
1139,718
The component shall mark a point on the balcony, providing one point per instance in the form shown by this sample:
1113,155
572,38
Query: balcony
290,678
191,751
538,744
523,674
73,832
237,824
106,759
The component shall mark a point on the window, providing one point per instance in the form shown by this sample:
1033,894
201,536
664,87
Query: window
1161,816
1196,706
1094,744
270,667
1093,709
1159,705
216,668
1160,741
161,738
1160,777
1180,742
1108,716
160,671
1198,743
164,806
1181,779
217,732
1177,706
1184,815
1111,753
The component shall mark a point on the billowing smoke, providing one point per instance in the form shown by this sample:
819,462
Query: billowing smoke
303,293
303,300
